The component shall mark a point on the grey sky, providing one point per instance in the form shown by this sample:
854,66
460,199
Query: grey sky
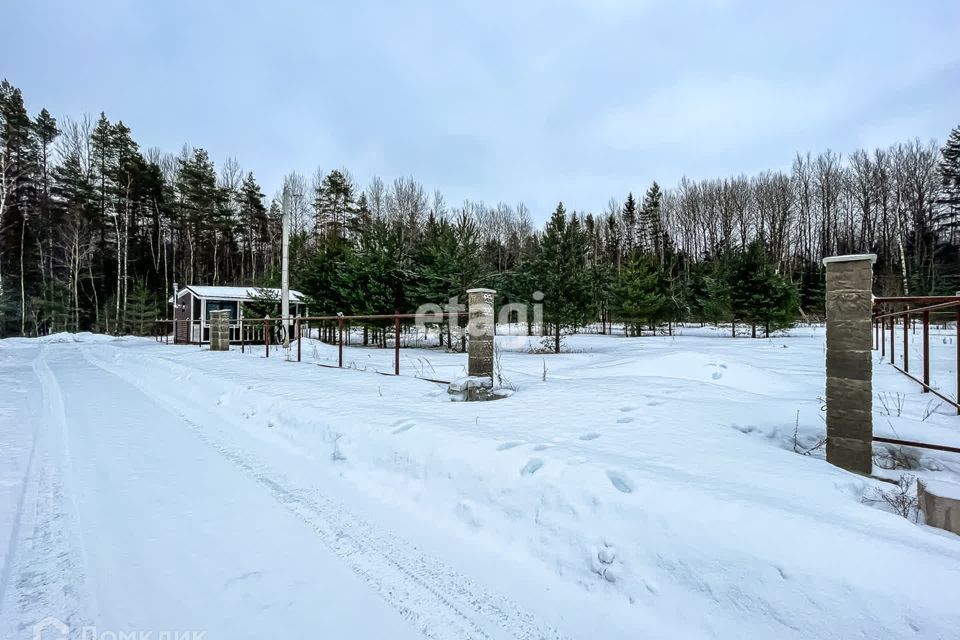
522,101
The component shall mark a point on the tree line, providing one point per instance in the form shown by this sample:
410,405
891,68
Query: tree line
94,231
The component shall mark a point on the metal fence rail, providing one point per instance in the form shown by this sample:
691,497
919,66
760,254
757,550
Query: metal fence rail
942,305
251,333
922,307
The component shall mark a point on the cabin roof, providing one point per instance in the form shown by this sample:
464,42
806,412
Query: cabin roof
234,293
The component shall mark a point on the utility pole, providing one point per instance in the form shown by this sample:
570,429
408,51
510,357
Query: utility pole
285,284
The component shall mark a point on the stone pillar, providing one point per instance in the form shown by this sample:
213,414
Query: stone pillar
849,302
480,329
220,330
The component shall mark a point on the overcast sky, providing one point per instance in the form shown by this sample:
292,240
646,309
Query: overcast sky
515,101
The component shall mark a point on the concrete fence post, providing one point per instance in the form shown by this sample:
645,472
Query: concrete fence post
480,329
849,303
220,330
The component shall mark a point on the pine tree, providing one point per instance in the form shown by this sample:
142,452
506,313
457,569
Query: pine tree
254,223
45,130
201,212
20,197
335,205
74,200
949,167
264,303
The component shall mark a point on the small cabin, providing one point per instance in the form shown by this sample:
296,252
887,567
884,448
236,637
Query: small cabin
193,304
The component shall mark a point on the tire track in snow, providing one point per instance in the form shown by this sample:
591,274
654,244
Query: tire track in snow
13,543
47,569
440,602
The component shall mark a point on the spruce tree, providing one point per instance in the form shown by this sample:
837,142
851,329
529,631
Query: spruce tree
142,311
758,294
642,292
651,224
633,238
561,274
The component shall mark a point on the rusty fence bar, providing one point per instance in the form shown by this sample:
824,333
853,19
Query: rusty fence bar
926,351
939,304
906,340
247,332
922,445
933,304
893,337
396,344
340,342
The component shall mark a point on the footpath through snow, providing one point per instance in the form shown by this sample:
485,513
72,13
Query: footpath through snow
633,488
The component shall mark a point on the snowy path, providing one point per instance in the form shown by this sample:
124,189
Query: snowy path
178,533
631,488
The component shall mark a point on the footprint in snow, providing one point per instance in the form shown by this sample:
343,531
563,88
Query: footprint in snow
626,409
404,426
716,375
603,563
533,465
541,447
655,403
592,435
508,445
626,420
620,482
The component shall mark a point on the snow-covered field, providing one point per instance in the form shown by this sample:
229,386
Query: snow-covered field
630,488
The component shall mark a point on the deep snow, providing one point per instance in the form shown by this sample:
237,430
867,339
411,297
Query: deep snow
631,488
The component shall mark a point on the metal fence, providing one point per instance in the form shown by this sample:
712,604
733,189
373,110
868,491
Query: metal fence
907,312
253,334
923,309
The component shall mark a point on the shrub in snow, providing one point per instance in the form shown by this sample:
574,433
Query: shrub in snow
337,455
902,498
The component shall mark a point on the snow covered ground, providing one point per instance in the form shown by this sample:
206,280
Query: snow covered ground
630,488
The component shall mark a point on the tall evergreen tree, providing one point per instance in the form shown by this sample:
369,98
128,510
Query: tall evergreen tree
654,237
949,167
642,292
335,205
758,294
20,199
561,274
633,236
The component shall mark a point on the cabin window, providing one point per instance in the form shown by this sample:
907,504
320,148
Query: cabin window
219,305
